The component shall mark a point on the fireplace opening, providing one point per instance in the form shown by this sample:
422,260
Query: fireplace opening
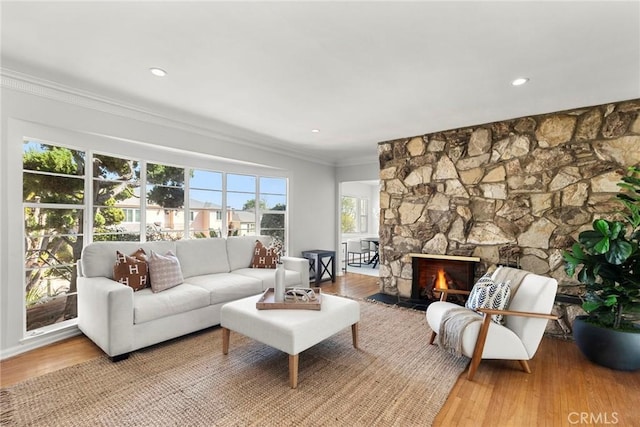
433,272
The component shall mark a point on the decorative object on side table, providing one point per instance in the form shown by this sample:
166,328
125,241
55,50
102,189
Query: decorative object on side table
607,260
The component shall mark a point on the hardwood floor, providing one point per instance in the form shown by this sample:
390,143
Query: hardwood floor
564,389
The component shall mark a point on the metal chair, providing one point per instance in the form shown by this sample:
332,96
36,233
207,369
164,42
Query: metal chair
355,247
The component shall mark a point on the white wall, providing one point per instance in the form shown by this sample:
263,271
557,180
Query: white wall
361,172
30,110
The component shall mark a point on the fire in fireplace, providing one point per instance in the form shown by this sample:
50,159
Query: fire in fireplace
432,272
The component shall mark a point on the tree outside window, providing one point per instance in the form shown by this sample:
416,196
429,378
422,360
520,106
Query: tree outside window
116,183
273,207
165,202
354,215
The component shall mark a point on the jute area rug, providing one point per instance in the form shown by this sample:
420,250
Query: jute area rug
394,378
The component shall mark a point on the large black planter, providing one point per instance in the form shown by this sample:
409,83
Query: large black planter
607,347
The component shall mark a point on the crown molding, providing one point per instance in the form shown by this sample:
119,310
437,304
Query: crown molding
362,160
32,85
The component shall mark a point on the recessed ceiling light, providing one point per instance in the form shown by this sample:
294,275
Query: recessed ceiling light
159,72
519,81
315,130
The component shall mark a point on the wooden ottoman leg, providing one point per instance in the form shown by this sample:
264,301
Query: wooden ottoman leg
225,340
293,370
354,334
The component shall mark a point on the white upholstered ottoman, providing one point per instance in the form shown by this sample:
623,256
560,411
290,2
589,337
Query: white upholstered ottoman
291,331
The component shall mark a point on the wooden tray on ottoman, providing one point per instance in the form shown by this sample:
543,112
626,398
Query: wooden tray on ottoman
266,302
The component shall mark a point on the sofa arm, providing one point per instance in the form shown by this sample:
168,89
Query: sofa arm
301,265
105,314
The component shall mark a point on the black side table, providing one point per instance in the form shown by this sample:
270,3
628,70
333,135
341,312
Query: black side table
320,262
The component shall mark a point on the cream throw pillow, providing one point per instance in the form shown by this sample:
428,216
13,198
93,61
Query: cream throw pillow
488,294
164,270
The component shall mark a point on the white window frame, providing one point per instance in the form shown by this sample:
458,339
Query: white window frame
360,214
46,135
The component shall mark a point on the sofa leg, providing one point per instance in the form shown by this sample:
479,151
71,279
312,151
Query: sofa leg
119,357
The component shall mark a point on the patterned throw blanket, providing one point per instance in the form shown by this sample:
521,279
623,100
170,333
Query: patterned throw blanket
453,323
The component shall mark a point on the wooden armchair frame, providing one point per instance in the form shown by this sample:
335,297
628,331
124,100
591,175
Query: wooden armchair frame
484,330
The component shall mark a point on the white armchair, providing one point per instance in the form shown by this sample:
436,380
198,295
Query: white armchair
526,317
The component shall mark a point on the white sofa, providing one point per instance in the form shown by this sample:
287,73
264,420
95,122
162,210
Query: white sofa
215,272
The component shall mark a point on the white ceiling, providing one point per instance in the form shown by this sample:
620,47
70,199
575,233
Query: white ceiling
361,72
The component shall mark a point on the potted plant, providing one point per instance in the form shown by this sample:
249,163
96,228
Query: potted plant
607,261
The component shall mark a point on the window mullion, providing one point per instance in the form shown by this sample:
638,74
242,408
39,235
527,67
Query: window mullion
225,223
143,201
258,208
186,208
87,221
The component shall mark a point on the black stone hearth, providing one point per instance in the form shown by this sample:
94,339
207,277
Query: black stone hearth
415,304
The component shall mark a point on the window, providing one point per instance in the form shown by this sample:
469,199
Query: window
354,215
131,215
273,206
53,206
165,202
241,205
116,198
73,196
205,204
363,215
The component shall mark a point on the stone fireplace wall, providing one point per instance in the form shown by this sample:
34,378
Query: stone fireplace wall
522,188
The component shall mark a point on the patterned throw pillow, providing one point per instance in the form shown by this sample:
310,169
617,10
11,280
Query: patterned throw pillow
265,256
164,270
131,270
488,294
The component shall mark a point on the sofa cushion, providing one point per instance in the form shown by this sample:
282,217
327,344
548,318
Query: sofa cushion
240,250
148,306
225,287
97,258
268,276
132,270
202,256
164,270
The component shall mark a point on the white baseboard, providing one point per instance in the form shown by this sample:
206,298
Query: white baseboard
35,342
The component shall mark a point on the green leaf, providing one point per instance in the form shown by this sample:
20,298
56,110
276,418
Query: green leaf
619,252
586,276
570,269
616,228
576,256
577,251
602,226
590,238
602,246
590,306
